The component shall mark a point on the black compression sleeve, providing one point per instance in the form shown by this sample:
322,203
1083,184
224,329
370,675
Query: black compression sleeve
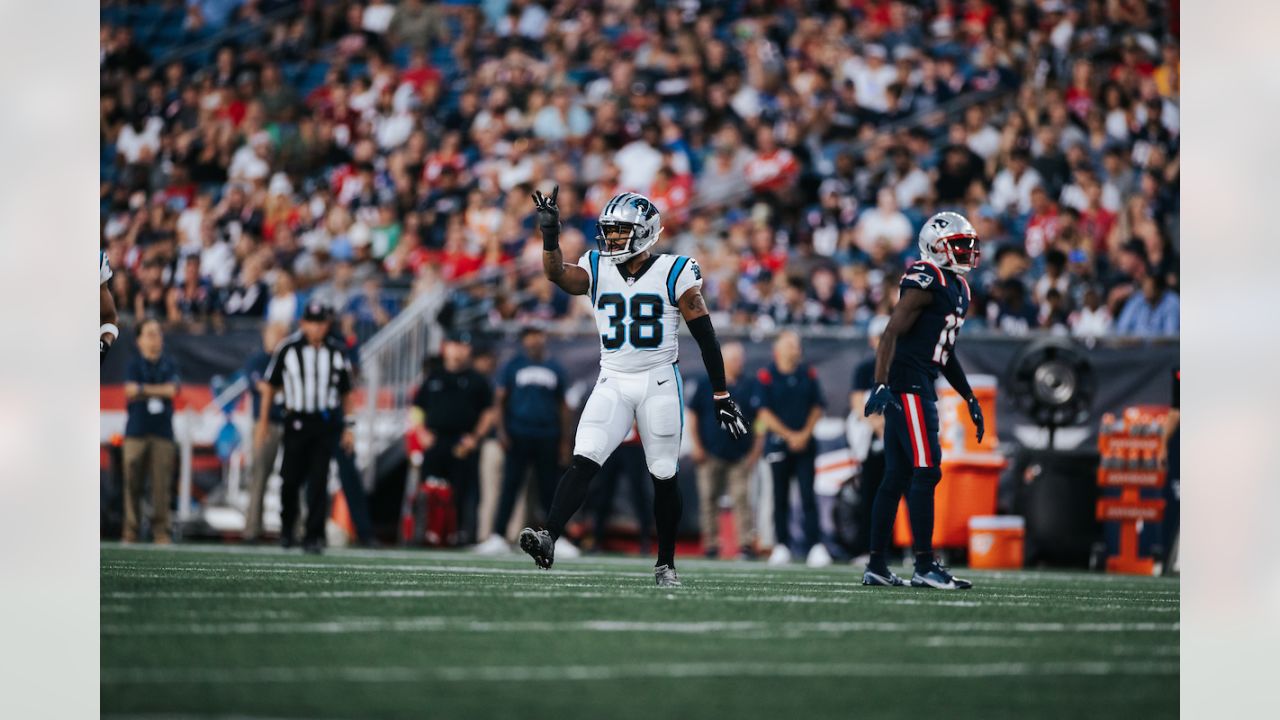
705,334
955,375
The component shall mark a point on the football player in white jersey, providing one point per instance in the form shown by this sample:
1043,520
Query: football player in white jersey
639,297
107,331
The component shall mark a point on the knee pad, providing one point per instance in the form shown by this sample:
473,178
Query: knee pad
663,469
926,476
590,444
592,439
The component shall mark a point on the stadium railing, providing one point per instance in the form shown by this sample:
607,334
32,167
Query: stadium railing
390,366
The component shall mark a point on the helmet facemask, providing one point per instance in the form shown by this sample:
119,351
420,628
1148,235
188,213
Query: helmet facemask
962,252
616,240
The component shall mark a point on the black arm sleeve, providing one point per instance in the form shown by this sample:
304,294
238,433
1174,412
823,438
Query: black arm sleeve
705,334
955,375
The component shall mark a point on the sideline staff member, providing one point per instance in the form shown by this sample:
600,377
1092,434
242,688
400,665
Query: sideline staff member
452,412
313,372
790,405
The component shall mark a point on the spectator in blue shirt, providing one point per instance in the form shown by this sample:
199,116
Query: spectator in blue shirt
367,311
1152,313
790,402
533,413
724,461
151,383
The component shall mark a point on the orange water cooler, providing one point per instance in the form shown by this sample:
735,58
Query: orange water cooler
996,542
970,472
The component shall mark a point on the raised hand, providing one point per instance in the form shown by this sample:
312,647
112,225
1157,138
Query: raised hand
548,212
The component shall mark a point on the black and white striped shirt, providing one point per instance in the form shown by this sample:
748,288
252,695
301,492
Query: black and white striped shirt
314,379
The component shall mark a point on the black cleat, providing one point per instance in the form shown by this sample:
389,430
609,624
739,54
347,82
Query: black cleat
885,579
313,547
540,546
937,577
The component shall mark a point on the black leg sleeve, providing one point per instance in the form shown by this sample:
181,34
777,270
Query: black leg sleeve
570,493
668,506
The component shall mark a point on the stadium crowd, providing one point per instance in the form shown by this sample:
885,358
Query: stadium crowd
257,154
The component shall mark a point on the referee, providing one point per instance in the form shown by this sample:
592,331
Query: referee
313,372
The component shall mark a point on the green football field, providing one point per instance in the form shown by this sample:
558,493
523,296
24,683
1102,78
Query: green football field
215,632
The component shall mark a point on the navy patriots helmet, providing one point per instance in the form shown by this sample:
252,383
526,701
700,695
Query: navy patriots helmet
628,225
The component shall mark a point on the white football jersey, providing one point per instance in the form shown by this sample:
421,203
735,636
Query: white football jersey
104,268
638,318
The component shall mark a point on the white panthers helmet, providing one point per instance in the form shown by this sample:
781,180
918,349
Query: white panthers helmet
948,240
635,218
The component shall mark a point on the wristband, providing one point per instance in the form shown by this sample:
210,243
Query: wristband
550,238
109,329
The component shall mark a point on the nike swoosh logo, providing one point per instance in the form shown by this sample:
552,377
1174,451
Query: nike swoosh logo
664,381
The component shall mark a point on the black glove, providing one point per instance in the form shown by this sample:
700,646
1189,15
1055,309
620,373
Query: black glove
548,217
103,348
730,417
975,413
880,398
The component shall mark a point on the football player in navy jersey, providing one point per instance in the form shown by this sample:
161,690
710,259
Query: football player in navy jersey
918,344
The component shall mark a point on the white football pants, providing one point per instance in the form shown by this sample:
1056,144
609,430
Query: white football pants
652,399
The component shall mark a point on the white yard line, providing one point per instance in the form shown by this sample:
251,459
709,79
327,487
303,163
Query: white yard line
758,629
854,598
682,671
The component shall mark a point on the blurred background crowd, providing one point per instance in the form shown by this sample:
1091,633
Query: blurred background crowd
257,154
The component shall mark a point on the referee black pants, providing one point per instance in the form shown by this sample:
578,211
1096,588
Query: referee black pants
308,447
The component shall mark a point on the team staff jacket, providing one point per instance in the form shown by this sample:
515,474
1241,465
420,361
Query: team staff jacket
924,348
453,401
790,396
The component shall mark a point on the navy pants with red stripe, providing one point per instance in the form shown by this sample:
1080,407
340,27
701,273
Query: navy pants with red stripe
912,458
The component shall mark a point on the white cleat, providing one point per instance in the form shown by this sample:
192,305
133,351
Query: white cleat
495,546
781,555
566,549
819,557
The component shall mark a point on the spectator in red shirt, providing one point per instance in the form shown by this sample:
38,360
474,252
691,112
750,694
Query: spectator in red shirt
771,170
1095,220
1042,228
671,194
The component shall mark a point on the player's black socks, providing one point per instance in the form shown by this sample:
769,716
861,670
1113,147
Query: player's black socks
920,510
883,510
570,493
924,561
667,508
877,564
